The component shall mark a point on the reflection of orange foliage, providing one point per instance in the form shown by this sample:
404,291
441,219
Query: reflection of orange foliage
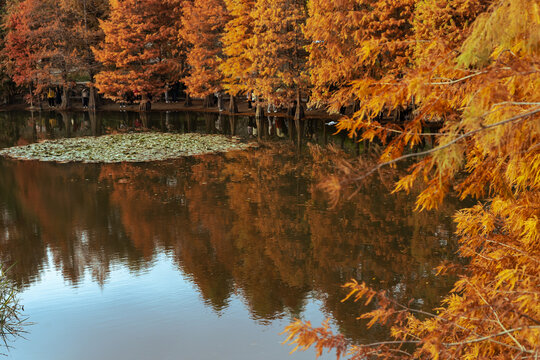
246,222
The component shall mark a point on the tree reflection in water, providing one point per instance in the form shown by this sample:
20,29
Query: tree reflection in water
250,223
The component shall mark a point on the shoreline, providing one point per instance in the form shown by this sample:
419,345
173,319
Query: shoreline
197,106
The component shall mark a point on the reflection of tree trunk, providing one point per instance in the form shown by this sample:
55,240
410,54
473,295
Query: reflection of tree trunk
185,122
40,121
233,106
259,120
66,103
232,122
209,122
67,123
144,119
48,127
291,129
162,125
219,124
297,124
34,129
299,115
95,123
208,101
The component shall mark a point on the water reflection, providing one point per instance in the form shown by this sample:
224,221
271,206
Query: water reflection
249,224
21,127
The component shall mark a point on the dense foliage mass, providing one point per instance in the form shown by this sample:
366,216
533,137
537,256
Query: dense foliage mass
469,66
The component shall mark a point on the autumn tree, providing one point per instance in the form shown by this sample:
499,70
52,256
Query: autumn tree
140,52
236,39
355,41
41,45
202,27
277,53
7,86
87,34
483,83
20,65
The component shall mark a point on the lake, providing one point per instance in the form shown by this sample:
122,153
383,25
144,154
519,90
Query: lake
203,257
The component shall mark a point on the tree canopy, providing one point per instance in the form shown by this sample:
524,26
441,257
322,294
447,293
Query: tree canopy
463,74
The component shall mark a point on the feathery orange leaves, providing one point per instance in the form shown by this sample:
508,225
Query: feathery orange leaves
141,50
202,28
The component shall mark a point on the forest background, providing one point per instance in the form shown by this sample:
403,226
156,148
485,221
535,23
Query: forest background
400,65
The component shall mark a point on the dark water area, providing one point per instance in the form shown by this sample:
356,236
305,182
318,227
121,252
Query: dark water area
203,257
21,127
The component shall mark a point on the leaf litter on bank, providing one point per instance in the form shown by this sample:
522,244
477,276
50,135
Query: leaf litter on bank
134,147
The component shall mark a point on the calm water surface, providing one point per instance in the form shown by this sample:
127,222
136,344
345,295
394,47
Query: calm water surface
199,258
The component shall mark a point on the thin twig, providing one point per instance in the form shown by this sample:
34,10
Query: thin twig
487,337
451,82
506,331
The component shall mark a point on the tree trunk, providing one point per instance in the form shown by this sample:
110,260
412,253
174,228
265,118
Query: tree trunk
188,101
66,103
145,104
259,110
220,101
31,96
259,121
92,100
259,118
34,129
233,106
325,134
298,116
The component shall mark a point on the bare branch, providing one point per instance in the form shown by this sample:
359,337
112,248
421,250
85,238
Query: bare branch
488,337
451,82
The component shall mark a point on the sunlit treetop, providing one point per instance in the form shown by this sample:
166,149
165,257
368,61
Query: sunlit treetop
202,28
140,52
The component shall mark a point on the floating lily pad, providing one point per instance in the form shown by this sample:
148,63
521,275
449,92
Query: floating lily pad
136,147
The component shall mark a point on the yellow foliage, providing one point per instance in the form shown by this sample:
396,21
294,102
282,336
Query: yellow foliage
476,72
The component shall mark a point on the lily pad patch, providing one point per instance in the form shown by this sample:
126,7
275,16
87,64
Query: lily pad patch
135,147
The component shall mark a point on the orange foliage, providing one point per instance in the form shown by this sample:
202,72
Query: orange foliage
45,44
202,27
236,41
482,80
276,52
356,41
140,52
